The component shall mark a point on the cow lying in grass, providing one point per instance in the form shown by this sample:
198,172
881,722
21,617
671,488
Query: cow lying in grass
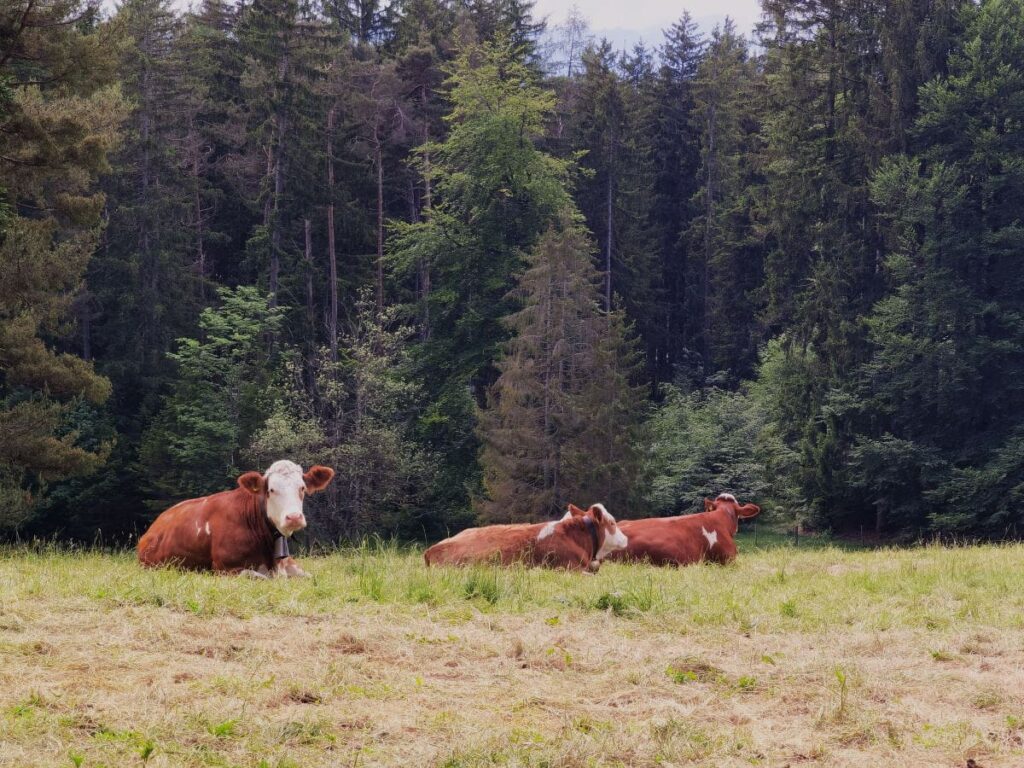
244,530
686,539
581,539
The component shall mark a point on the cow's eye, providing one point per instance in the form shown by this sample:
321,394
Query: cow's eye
271,490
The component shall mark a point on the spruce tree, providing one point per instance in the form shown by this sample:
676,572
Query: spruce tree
220,397
823,138
494,192
675,154
725,253
943,388
562,419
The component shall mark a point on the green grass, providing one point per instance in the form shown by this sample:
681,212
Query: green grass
778,586
819,655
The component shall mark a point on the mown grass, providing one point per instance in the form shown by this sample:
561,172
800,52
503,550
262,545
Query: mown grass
818,655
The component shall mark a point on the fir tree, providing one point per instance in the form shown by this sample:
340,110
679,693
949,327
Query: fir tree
676,161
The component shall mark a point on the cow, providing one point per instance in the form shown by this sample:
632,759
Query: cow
686,539
241,531
579,540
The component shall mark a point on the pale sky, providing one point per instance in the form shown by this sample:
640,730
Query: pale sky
625,22
647,15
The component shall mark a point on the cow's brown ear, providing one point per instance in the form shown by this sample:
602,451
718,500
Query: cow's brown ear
576,511
596,511
252,482
318,478
748,510
708,505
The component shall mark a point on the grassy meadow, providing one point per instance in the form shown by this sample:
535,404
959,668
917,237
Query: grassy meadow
804,656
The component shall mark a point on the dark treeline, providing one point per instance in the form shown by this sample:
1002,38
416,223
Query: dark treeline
483,267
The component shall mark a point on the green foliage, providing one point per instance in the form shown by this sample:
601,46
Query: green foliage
703,443
59,117
943,383
220,398
495,191
815,240
362,426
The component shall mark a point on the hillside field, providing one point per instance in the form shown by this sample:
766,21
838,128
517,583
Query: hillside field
814,656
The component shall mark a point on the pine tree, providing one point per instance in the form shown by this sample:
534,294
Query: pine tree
143,278
562,418
59,120
610,111
209,130
282,42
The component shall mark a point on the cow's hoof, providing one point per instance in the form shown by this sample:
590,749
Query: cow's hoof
594,566
249,573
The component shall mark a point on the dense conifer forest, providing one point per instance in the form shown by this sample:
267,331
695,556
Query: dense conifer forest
482,265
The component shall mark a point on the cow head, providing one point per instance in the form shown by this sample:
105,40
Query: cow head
610,537
728,503
285,486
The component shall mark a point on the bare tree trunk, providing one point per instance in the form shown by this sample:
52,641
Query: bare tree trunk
550,467
608,250
332,256
275,223
708,224
310,310
427,203
149,277
197,205
277,157
86,321
379,160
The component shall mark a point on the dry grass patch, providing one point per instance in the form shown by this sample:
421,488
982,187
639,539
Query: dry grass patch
790,657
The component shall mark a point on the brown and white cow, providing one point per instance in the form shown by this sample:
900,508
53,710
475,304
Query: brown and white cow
686,539
244,530
580,539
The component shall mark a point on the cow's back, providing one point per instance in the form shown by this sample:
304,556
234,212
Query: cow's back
500,544
664,541
185,534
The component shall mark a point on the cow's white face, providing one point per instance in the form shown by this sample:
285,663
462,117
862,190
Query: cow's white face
286,490
613,538
286,487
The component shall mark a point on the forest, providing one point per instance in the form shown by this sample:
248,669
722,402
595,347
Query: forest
484,264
